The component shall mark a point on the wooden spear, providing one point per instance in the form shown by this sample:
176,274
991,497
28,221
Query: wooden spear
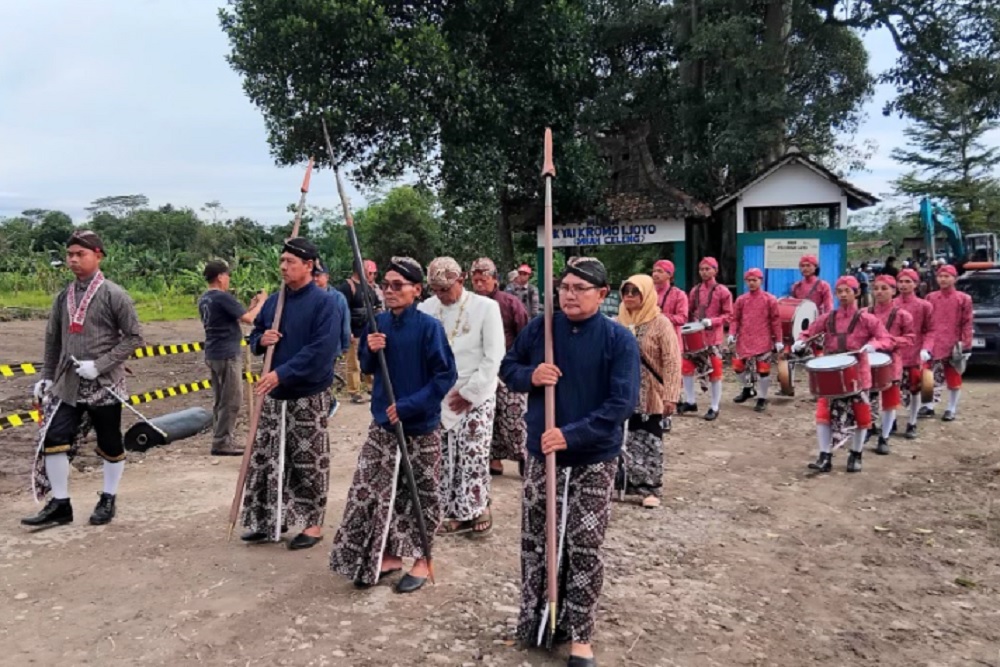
551,535
234,509
404,456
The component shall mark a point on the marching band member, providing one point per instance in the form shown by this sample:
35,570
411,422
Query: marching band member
812,287
711,304
899,324
672,300
756,331
952,326
915,356
846,329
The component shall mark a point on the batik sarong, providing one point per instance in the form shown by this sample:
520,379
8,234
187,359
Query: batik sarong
643,456
91,392
379,516
465,466
306,465
581,569
509,430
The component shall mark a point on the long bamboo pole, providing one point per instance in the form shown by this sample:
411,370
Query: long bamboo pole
234,508
404,456
551,536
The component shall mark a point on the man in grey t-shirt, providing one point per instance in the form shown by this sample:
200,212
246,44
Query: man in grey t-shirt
221,315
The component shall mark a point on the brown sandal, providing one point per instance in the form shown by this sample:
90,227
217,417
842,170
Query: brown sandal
452,527
484,519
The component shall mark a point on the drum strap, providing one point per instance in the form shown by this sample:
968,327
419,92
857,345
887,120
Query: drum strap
892,316
697,299
831,328
812,289
664,299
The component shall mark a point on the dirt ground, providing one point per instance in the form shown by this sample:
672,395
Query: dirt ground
749,562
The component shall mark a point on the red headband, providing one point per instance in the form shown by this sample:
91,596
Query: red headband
949,269
753,273
711,261
809,259
911,274
850,281
887,279
664,264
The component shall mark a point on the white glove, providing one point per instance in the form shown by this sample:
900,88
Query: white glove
87,370
707,323
779,347
798,346
41,388
925,356
731,339
868,348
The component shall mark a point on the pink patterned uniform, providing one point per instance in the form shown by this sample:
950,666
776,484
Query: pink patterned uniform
899,324
923,328
952,321
756,324
841,336
816,290
713,301
674,305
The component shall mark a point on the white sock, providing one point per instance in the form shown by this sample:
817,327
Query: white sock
765,385
716,393
57,470
824,437
914,408
689,396
888,417
113,476
953,395
858,439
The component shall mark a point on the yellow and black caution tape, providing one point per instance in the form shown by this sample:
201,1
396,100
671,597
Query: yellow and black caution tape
9,371
22,418
27,368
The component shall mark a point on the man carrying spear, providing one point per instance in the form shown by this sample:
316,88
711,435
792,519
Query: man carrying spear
596,371
289,473
379,527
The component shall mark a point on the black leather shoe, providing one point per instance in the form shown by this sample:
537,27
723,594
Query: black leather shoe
253,537
745,395
105,510
761,405
823,464
360,585
577,661
303,541
911,432
926,411
686,407
882,448
711,415
55,512
948,416
409,583
854,462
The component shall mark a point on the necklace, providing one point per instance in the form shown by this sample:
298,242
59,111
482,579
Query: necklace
458,320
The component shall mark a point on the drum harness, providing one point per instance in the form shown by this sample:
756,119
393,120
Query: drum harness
831,329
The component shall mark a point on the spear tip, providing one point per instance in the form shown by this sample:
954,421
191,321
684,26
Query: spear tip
548,166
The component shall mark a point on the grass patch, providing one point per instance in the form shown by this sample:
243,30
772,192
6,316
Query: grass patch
150,307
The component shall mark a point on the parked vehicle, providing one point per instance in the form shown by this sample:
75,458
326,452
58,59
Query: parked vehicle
984,288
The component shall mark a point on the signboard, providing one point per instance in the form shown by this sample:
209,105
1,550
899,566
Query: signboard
614,234
786,253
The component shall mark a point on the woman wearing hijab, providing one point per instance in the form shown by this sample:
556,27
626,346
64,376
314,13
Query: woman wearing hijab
660,380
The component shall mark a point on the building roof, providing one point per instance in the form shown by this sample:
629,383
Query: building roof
856,197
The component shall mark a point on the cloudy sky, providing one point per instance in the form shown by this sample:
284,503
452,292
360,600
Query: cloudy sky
110,97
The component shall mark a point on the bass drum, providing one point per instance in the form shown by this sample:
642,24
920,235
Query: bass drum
796,316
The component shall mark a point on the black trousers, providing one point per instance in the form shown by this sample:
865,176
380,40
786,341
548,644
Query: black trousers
107,421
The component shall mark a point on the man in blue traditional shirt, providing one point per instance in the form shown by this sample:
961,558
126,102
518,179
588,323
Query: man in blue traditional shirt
289,473
378,529
596,375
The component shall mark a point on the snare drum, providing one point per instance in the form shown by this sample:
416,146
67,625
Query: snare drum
796,316
694,337
834,376
881,371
